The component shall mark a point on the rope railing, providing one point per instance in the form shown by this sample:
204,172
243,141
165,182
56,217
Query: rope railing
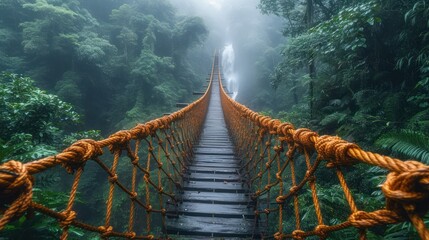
281,163
145,164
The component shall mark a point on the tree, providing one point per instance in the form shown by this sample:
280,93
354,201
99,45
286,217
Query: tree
29,110
189,32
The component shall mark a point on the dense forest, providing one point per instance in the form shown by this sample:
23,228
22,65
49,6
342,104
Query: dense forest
73,69
96,66
356,68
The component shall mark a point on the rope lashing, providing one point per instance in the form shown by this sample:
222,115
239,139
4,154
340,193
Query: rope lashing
279,161
16,191
406,188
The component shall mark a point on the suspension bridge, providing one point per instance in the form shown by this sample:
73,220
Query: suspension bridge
215,169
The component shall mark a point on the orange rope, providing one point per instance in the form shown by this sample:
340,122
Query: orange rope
406,188
260,142
173,137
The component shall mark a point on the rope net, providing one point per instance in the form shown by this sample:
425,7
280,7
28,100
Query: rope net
154,154
281,164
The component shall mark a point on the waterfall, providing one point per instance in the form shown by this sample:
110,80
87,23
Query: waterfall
228,70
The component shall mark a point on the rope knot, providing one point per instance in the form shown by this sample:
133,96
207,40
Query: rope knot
334,149
298,234
153,126
146,178
273,124
322,231
135,161
303,137
263,121
166,122
408,192
149,208
113,179
81,151
105,232
279,176
16,190
284,131
278,235
133,196
142,131
121,140
69,216
293,190
278,148
362,219
280,199
131,235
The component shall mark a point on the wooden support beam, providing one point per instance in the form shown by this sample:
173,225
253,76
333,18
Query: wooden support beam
182,105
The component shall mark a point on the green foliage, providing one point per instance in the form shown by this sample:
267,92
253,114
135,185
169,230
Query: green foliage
189,32
73,137
34,37
44,7
149,65
7,150
93,49
410,144
27,109
335,118
419,121
415,39
68,89
37,224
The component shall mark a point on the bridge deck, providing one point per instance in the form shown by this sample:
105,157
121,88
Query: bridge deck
215,202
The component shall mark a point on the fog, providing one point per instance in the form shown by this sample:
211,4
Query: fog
241,26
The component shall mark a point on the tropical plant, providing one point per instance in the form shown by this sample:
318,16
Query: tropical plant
408,143
27,109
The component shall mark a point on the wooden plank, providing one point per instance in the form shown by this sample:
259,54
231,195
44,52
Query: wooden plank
213,177
216,210
220,170
211,227
195,196
209,186
215,203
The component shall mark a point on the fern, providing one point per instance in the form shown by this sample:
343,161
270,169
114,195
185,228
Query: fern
408,143
419,121
334,118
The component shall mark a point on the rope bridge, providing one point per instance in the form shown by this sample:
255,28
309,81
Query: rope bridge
148,163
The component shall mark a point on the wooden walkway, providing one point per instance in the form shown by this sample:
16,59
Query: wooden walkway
215,202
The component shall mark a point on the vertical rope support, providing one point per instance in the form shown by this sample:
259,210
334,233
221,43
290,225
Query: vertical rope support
278,150
112,180
147,185
134,162
160,186
69,214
